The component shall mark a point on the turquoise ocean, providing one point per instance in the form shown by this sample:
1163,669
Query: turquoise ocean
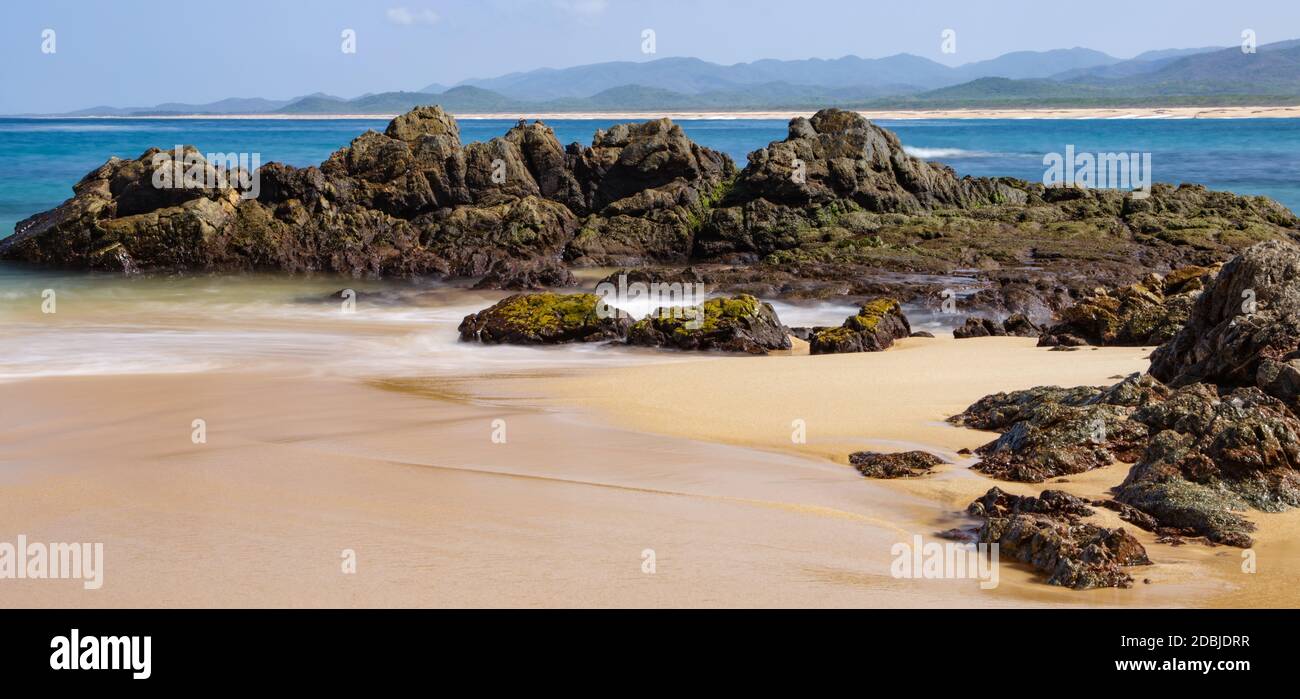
40,159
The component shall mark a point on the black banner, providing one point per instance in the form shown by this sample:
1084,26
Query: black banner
208,648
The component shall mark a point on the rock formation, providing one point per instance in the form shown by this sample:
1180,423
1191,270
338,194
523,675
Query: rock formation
836,209
1211,432
1047,533
872,329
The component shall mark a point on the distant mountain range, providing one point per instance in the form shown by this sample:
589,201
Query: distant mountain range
1062,77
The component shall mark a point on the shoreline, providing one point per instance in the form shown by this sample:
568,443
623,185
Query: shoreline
1229,112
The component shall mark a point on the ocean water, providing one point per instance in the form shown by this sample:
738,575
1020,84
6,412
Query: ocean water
40,160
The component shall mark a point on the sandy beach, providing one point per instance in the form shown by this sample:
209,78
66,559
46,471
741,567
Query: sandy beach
686,459
1262,112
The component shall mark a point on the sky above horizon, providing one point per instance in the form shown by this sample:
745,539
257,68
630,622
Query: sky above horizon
137,53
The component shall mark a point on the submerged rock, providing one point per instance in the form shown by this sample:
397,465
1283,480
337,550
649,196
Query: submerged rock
907,464
737,324
543,319
872,329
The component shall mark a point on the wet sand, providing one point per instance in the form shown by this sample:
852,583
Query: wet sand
690,459
897,400
295,472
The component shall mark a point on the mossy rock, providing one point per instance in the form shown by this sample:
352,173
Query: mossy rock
545,319
872,329
737,324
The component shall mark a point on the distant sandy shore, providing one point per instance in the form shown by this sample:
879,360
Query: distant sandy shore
1292,112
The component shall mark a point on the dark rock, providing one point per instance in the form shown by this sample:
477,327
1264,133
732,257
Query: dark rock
1047,533
1147,313
803,333
999,411
1212,456
872,329
1130,514
977,327
1248,314
1052,439
908,464
527,276
922,333
1017,325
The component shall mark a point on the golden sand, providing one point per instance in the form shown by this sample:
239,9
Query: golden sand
688,462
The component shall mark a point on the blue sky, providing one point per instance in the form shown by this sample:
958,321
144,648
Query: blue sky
142,52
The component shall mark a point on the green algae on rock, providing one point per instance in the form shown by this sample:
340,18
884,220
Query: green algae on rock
545,318
872,329
737,324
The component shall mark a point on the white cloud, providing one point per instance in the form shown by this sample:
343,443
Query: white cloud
408,17
586,8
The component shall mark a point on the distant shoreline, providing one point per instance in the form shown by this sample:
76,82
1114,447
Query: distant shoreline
1273,112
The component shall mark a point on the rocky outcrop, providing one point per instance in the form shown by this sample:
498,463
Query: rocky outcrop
737,324
547,318
1147,313
872,329
1052,440
836,209
1048,533
1221,438
1199,458
411,200
907,464
1049,431
527,276
1246,320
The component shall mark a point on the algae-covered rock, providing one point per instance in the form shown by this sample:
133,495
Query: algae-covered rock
872,329
737,324
545,319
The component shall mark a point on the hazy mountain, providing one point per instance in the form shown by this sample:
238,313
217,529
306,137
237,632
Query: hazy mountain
1161,54
1198,77
1063,77
230,105
1155,60
1036,64
694,76
1272,69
